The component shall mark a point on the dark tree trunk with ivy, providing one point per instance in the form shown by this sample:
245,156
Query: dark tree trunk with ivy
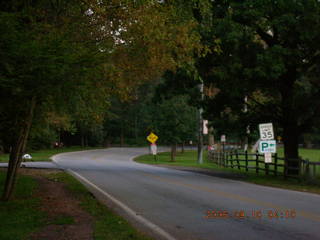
17,151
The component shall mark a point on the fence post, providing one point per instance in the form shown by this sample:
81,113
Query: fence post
237,158
302,169
257,163
285,169
300,166
276,164
221,158
226,161
307,169
217,158
246,158
231,161
226,157
266,167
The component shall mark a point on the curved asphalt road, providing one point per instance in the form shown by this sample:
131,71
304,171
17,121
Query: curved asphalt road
177,201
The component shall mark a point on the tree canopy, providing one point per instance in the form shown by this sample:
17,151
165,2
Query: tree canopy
269,54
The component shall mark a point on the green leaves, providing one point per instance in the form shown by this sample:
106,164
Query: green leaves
175,120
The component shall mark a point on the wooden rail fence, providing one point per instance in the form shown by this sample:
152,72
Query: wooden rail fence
255,162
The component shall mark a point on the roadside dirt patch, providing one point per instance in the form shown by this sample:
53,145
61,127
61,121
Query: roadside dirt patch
66,219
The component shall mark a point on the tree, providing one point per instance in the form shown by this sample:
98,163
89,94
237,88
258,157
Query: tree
56,55
270,53
40,61
175,121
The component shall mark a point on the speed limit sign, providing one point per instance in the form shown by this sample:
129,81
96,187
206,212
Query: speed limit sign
266,131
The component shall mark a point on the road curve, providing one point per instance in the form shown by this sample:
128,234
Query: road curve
176,203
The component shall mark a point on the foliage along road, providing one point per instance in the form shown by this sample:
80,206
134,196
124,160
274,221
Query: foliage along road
172,204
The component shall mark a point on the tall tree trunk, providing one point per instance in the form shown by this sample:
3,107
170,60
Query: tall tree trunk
173,152
290,124
82,137
182,147
17,151
307,141
86,141
291,145
136,128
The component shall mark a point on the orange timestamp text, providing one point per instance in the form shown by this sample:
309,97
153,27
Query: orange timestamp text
253,214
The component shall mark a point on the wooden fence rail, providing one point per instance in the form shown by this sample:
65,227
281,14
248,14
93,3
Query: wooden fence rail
255,161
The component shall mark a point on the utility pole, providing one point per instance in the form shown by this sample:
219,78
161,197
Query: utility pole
200,134
246,141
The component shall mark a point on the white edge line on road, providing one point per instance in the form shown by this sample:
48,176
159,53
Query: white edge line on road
156,229
124,207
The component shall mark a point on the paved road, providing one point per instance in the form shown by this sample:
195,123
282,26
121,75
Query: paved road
178,201
41,165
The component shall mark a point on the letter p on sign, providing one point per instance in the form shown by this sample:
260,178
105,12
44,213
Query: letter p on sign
264,146
268,146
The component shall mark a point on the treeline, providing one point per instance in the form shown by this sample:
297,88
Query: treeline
78,71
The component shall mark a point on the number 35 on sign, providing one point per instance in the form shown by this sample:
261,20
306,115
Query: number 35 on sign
266,131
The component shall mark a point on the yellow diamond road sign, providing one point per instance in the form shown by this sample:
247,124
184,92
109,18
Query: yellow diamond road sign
152,138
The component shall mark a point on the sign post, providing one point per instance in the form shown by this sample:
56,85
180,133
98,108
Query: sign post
205,127
152,138
154,151
223,141
267,145
268,157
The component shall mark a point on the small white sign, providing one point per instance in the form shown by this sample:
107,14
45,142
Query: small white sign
268,157
268,146
205,127
266,131
223,138
154,149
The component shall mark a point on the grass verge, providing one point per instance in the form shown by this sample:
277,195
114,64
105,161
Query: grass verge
107,224
21,216
44,155
310,154
189,159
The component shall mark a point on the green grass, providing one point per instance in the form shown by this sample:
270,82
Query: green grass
63,220
44,155
107,225
310,154
21,216
279,182
189,159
